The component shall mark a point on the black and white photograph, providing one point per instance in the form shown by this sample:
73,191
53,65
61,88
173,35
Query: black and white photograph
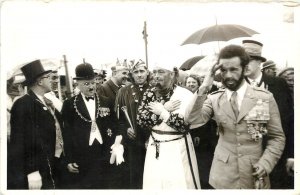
149,97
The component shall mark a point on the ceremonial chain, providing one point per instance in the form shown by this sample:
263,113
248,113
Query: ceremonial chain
80,115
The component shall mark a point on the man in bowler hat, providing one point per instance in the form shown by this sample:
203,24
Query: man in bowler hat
32,146
88,132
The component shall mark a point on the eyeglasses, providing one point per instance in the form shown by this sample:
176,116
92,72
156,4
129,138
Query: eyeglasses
89,83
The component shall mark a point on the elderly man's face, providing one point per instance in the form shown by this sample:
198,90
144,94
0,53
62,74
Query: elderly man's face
163,78
289,77
231,73
87,87
140,74
121,76
252,68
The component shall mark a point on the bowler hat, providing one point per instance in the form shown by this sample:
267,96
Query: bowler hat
84,71
254,49
268,64
32,71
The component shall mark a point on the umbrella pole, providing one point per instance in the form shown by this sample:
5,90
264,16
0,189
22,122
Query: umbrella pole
145,35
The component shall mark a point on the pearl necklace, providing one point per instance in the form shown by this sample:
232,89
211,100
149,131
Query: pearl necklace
80,115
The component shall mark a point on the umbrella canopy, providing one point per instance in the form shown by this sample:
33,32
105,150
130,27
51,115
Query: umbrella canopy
188,64
223,32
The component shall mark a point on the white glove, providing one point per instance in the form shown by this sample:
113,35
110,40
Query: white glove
117,151
34,180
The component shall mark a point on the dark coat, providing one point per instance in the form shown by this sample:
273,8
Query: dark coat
280,90
135,150
32,142
108,89
93,161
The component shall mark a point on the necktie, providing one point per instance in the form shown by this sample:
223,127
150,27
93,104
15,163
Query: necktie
89,98
254,83
234,104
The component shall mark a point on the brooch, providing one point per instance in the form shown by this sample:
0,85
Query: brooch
104,111
257,120
109,132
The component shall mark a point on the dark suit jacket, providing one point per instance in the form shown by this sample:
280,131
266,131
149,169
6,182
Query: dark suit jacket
32,142
76,131
279,88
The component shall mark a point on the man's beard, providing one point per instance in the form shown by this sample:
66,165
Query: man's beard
236,83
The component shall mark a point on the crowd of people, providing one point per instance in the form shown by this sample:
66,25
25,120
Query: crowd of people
230,129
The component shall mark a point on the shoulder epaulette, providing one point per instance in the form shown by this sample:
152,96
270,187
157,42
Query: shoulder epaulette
261,89
219,91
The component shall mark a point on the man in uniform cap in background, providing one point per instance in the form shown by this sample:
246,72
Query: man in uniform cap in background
269,68
88,132
134,137
119,77
240,161
32,147
279,88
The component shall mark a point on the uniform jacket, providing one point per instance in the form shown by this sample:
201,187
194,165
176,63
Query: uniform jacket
76,131
32,141
236,152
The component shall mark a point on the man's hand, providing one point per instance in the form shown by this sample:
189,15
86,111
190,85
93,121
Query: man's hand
172,105
156,107
259,171
209,78
117,151
131,133
34,181
73,168
290,166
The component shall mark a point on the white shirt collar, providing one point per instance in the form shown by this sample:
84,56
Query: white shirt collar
257,80
240,93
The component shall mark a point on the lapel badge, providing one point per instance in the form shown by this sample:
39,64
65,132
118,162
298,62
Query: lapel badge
104,111
45,108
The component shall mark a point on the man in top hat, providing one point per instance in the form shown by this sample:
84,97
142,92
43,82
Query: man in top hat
279,88
244,115
134,138
88,132
170,157
269,68
32,146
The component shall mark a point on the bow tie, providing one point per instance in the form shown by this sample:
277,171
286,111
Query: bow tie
89,98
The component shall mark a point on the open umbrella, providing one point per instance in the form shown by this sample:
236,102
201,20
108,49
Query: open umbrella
223,32
188,64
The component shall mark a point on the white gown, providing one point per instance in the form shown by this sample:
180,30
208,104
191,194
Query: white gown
172,169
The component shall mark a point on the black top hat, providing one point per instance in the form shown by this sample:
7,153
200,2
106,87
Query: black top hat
254,48
32,71
84,72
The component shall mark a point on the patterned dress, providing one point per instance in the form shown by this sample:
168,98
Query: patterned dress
170,159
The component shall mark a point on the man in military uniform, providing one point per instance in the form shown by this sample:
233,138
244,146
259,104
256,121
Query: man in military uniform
240,160
134,137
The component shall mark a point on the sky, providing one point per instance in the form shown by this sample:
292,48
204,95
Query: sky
103,31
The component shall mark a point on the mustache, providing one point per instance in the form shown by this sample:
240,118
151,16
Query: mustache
91,89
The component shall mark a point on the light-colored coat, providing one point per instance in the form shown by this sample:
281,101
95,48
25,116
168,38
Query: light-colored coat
236,152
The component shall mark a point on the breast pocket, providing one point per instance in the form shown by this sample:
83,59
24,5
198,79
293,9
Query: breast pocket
222,156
